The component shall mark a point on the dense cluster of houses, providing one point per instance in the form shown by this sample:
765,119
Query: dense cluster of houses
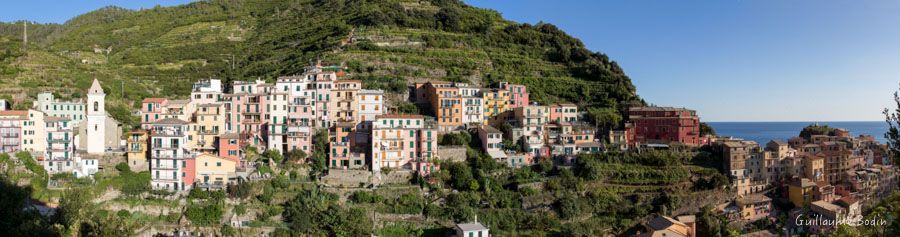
64,136
203,140
832,176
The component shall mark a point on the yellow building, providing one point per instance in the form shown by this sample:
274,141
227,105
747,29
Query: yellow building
496,101
800,192
137,150
213,172
209,126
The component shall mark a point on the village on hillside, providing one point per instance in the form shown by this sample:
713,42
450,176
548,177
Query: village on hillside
216,140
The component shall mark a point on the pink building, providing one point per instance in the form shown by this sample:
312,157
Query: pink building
563,113
152,109
11,130
402,141
189,172
300,122
230,148
518,95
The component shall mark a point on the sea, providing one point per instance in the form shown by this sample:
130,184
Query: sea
763,132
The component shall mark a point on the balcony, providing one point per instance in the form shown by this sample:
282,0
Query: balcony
164,167
161,147
168,134
212,185
63,140
342,144
9,135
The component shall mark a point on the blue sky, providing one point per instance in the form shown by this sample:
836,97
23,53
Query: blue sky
760,60
58,11
757,60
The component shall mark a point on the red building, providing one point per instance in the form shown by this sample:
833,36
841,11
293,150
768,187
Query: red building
663,125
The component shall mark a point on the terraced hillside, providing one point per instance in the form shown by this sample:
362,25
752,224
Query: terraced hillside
159,51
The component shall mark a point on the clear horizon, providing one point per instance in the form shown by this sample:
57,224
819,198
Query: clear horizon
782,61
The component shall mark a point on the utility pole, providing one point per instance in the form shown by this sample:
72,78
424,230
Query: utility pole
25,36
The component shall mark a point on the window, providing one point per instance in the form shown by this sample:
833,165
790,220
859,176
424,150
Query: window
96,106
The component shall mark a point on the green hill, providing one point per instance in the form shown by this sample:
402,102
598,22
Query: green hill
160,51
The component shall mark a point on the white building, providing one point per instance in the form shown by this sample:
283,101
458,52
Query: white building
371,104
277,120
59,156
96,119
473,229
4,105
73,110
206,91
169,155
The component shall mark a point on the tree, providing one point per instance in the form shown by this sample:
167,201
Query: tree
604,118
74,207
705,129
296,155
893,133
816,129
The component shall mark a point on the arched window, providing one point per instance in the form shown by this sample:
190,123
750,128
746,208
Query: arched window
96,106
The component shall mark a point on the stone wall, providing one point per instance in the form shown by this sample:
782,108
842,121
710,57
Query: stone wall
452,153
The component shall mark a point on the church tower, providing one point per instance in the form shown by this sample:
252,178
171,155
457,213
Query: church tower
96,119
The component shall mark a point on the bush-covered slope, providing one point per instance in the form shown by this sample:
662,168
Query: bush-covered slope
160,51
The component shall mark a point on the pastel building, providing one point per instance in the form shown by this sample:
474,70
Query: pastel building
59,156
300,124
564,113
344,154
532,119
491,141
276,120
472,105
399,139
209,125
344,103
152,110
496,101
73,110
11,122
446,103
206,91
170,160
34,132
229,147
137,150
213,172
371,104
518,94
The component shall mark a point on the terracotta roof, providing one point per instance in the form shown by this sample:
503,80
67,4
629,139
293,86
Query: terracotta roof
230,136
154,100
654,108
14,113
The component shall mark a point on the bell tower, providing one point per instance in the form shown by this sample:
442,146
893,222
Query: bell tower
96,119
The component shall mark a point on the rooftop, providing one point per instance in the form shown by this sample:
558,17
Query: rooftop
170,121
490,129
154,100
400,116
474,226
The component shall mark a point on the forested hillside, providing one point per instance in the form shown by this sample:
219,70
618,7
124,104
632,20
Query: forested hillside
160,51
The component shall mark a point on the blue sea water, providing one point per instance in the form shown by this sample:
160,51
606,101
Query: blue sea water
763,132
